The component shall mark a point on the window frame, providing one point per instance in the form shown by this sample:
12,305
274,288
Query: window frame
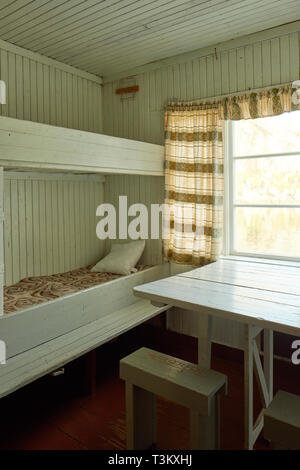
229,205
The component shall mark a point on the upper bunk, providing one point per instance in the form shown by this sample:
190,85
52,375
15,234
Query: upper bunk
34,146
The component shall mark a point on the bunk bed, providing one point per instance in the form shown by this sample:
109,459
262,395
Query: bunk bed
44,336
34,146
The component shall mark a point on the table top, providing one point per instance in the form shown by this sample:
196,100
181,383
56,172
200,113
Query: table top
257,293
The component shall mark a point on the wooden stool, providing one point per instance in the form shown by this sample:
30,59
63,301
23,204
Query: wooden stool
149,373
282,421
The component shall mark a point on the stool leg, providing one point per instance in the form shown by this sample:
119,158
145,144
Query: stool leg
140,418
205,430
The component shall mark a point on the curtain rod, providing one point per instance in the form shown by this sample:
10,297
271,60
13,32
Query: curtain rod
227,95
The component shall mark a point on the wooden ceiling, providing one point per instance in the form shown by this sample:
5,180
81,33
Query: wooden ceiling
106,37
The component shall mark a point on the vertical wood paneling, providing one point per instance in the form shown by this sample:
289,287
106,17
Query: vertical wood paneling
210,76
22,229
241,79
29,225
266,63
7,232
139,189
33,91
11,88
249,69
294,51
50,223
275,60
263,63
47,94
257,64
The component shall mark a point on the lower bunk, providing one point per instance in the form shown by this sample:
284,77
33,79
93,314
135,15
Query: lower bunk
44,337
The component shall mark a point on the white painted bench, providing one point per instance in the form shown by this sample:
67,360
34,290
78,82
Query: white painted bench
30,365
149,374
282,422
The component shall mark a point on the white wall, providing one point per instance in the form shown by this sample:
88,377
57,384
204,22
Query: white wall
43,90
259,60
50,223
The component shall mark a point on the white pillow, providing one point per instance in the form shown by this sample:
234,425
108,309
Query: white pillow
122,258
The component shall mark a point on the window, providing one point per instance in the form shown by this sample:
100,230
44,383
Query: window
263,187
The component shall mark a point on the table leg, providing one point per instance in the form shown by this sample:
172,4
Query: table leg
204,341
203,430
248,388
264,376
268,361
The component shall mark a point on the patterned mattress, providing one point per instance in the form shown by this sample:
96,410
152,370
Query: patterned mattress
36,290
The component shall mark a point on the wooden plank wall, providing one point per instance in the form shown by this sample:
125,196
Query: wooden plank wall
50,223
258,64
139,189
46,91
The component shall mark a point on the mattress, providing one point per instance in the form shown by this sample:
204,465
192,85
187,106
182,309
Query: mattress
36,290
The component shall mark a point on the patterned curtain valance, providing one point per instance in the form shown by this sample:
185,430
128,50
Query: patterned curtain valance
191,106
260,104
252,105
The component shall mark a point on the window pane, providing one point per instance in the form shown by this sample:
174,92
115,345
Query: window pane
278,134
271,231
268,180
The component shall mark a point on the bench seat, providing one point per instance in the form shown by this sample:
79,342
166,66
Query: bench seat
28,366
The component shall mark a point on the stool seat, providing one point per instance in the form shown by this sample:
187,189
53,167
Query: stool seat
282,421
149,373
173,379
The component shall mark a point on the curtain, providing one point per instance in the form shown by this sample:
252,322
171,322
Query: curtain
264,103
193,183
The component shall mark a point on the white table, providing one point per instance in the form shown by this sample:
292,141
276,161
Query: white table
263,296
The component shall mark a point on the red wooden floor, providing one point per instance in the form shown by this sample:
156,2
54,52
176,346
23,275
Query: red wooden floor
53,413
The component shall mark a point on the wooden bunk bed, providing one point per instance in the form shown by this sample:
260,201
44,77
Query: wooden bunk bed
43,337
29,145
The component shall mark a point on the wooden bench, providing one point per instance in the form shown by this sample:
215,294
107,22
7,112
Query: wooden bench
149,374
282,421
30,365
